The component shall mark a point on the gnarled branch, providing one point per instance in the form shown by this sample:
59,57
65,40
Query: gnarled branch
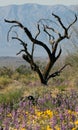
27,56
35,41
57,73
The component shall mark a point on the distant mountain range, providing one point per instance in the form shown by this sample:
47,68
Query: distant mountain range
15,62
28,15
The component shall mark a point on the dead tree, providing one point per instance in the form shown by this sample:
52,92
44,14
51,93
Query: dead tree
53,56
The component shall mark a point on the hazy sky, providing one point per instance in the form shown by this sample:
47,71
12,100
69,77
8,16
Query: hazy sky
49,2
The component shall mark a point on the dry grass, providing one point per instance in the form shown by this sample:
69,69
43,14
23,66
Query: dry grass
29,83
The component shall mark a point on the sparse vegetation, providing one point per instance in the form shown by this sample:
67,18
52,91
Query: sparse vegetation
25,104
56,106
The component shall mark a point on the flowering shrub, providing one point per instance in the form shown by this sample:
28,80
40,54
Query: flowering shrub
59,113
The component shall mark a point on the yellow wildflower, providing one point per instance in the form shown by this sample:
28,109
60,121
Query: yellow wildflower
57,128
38,113
23,129
76,122
26,112
69,111
9,115
48,127
74,128
48,113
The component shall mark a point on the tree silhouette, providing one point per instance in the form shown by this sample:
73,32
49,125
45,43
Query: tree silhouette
44,76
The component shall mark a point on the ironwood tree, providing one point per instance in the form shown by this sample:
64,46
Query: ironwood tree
45,75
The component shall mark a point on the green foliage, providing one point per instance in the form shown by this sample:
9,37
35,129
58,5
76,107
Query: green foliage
12,96
23,70
22,76
73,59
4,81
15,76
6,71
61,88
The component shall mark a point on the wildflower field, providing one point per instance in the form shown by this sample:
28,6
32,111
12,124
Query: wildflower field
47,113
25,104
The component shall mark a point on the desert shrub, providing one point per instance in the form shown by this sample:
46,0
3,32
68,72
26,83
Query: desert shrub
6,71
23,69
11,96
24,79
15,76
41,64
4,81
61,88
72,58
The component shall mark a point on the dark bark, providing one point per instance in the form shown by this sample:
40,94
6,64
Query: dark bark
44,76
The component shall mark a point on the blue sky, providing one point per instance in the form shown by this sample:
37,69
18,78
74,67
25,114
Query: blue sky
46,2
4,51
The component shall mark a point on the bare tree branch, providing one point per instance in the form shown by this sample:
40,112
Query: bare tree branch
55,31
29,57
14,21
22,42
57,73
72,22
10,31
65,35
32,53
59,20
38,27
24,45
48,33
60,51
45,20
35,41
20,51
